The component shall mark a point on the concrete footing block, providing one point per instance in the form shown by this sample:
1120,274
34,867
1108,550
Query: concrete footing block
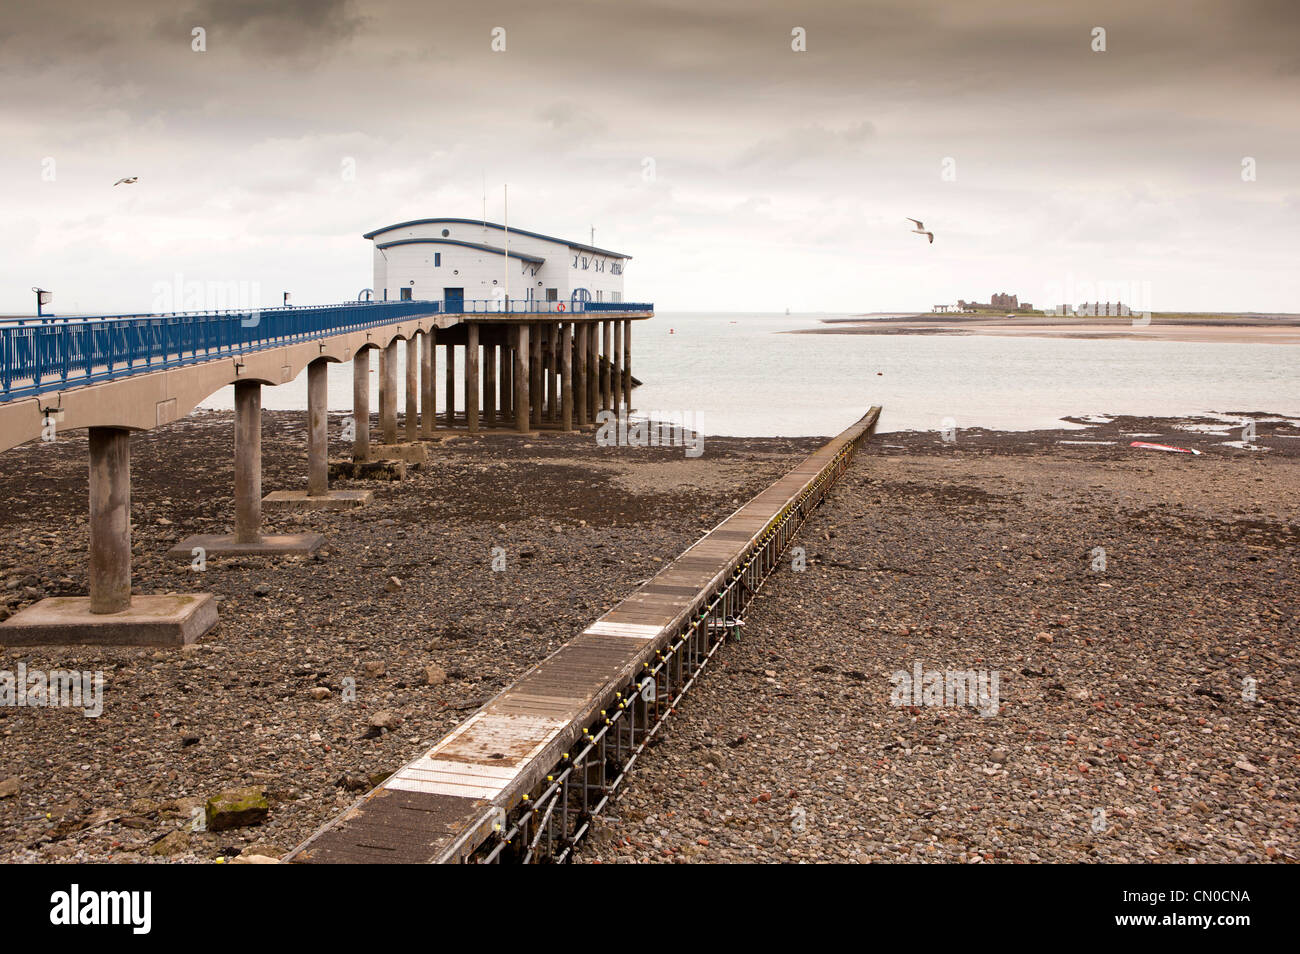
301,500
271,544
368,469
413,453
172,620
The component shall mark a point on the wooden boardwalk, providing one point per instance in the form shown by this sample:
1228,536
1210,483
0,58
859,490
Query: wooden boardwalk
503,762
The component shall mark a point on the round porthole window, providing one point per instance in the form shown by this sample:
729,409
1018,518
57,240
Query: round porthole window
494,281
446,232
455,271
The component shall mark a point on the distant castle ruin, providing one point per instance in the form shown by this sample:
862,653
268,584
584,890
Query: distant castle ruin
1000,301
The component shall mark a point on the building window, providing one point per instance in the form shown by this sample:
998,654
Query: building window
600,295
615,296
406,293
437,259
552,294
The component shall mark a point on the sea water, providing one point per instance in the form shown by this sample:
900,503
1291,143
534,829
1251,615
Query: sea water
741,375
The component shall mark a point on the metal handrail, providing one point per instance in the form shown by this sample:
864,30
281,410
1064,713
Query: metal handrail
51,353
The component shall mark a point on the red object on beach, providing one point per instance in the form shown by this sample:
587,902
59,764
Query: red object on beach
1164,447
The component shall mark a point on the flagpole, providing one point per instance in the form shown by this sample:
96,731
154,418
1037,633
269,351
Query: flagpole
505,202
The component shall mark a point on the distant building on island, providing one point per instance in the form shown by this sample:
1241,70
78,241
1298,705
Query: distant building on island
1001,301
1095,309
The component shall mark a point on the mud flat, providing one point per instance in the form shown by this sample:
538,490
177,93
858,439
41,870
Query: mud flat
1236,329
403,601
1146,711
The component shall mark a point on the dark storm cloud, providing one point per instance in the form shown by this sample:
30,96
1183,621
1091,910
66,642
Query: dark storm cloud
686,130
279,28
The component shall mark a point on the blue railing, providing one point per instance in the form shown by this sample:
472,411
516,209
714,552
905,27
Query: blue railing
532,306
52,353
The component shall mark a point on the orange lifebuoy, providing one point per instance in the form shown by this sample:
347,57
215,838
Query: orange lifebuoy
560,306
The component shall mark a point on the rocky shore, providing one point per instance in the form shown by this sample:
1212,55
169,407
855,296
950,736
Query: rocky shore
1147,703
249,734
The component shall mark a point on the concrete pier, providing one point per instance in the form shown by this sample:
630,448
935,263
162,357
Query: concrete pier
580,408
566,375
248,462
361,405
247,539
427,390
505,389
593,371
412,388
616,370
110,519
521,378
388,393
110,616
605,389
489,385
471,378
627,366
318,495
535,376
449,359
318,470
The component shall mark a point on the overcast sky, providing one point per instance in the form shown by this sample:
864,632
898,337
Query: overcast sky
738,173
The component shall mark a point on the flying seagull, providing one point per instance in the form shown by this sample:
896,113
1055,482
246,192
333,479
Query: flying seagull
131,180
920,228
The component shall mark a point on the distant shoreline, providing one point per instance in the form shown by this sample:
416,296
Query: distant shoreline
1223,329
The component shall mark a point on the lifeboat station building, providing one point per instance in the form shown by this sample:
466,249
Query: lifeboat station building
468,260
539,325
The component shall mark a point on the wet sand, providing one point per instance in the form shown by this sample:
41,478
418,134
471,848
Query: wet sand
1245,329
958,554
404,589
1148,707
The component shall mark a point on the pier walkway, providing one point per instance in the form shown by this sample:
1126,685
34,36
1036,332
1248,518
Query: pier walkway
528,365
521,779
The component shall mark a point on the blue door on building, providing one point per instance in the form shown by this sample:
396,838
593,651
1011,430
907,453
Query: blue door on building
454,299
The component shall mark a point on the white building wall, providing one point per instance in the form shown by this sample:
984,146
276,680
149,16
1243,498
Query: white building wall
480,273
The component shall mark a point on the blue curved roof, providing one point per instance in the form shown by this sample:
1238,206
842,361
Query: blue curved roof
494,225
532,259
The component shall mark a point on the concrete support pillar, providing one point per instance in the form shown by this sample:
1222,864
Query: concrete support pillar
549,365
449,355
471,379
413,387
535,376
521,377
566,375
616,370
427,390
388,393
489,385
361,405
627,366
318,469
110,519
580,408
506,388
248,462
608,352
593,370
